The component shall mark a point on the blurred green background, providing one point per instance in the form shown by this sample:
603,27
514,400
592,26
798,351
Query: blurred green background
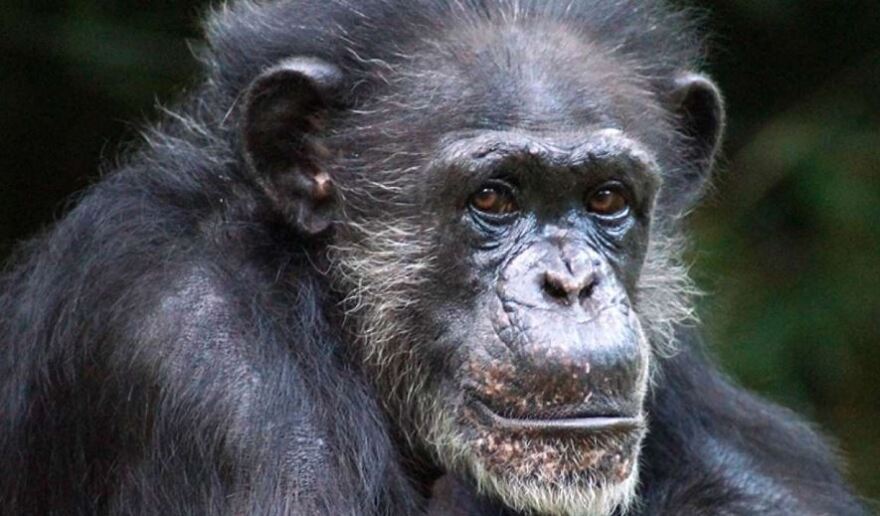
787,248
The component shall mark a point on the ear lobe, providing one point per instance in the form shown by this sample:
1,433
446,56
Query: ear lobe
283,111
699,113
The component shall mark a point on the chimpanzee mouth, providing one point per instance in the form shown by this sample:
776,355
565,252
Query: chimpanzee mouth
615,423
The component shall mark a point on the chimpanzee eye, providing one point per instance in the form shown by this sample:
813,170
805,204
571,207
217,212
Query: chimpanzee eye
608,201
494,199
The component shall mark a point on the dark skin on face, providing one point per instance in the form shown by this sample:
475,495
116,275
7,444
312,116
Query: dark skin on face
554,230
558,230
556,233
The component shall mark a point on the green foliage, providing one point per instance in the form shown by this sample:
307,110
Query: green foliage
789,247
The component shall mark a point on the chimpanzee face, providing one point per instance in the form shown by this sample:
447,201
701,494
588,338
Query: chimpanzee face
492,221
526,218
544,396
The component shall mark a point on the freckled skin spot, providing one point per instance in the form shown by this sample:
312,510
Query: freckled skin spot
551,459
623,470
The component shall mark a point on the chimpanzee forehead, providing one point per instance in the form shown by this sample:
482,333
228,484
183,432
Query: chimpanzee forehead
535,76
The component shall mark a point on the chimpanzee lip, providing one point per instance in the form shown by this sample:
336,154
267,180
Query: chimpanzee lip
579,424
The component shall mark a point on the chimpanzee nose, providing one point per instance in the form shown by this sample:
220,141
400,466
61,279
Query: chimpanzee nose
569,286
572,346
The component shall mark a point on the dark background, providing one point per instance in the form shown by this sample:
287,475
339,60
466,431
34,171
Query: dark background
787,248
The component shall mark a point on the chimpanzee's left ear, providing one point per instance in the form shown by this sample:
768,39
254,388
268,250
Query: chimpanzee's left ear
284,109
699,116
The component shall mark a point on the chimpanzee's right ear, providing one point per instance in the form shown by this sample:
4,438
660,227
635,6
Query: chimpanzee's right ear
698,110
284,108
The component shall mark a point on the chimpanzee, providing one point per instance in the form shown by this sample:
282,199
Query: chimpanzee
397,257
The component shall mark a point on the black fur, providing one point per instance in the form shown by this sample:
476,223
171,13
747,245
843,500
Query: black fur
172,347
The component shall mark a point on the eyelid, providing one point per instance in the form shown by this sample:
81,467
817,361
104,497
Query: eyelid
613,184
505,181
616,186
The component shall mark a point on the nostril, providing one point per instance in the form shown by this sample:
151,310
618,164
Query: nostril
587,292
565,288
555,286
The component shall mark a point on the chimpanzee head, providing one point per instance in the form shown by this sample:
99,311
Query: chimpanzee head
496,197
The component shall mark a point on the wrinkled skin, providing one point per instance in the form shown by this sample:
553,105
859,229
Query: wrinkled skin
551,339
